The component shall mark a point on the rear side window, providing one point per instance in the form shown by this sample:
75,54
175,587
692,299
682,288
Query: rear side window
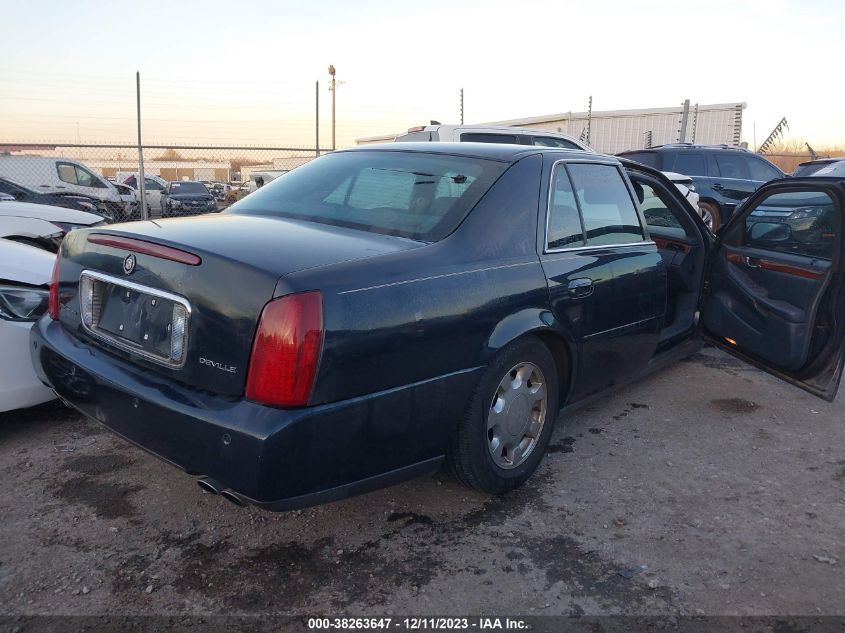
609,214
550,141
408,194
656,206
416,137
477,137
761,170
76,175
731,166
690,164
564,224
67,173
652,159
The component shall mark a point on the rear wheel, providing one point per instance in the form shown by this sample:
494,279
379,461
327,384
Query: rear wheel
710,214
506,429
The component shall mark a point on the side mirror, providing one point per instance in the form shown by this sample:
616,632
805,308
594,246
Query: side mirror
771,232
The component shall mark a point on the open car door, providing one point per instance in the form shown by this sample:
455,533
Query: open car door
775,296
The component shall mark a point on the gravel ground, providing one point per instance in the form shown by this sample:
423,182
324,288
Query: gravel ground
708,488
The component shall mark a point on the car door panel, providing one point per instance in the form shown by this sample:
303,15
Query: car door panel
610,297
780,304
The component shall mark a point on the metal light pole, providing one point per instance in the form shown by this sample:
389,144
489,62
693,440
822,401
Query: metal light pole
333,88
462,106
141,172
317,119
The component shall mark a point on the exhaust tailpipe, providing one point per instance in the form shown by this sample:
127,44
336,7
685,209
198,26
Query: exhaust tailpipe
210,485
228,495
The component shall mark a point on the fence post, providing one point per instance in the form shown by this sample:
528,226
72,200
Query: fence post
141,173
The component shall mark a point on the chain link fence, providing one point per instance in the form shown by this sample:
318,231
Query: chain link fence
105,179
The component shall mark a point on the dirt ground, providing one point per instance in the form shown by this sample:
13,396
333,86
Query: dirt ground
708,488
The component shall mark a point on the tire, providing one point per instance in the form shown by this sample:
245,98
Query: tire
706,208
470,458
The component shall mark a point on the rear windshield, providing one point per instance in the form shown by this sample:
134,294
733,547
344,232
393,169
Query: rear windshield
188,187
836,170
652,159
408,194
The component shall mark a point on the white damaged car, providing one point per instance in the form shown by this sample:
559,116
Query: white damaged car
41,225
25,273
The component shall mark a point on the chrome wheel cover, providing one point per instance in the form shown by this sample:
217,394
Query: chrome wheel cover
517,415
706,216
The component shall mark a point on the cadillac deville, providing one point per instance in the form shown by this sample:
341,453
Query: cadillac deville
386,311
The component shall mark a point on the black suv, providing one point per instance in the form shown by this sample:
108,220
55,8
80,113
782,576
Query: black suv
723,176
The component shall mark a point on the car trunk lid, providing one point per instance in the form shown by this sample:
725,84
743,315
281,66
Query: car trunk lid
215,272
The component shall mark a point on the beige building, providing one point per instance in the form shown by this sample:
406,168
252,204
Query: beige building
613,131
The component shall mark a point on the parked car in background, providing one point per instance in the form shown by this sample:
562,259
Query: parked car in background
154,186
131,203
822,167
219,190
797,222
237,192
24,295
491,134
41,225
186,197
14,191
47,174
723,176
383,311
686,185
258,179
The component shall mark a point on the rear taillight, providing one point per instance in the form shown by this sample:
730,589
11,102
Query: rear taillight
286,350
53,300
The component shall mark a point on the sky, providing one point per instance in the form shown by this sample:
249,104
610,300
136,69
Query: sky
244,72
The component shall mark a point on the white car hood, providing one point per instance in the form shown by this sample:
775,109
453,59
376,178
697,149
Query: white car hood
47,212
25,264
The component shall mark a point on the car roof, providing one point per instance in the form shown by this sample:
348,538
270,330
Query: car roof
491,151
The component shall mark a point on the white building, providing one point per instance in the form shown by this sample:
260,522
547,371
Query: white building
613,131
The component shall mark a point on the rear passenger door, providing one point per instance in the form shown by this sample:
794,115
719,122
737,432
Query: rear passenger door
607,283
776,284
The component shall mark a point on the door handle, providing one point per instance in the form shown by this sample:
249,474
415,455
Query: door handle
718,187
582,287
752,263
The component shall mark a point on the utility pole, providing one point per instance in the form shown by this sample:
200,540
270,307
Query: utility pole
317,119
333,88
141,171
462,106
